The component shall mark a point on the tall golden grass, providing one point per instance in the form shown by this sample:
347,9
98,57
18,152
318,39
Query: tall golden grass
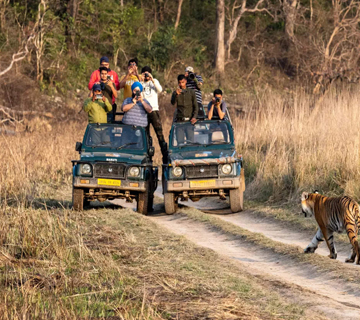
30,159
297,142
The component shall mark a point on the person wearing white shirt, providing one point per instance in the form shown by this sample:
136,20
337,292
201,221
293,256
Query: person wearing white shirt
152,88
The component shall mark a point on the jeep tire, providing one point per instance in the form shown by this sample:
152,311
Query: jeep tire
170,203
236,199
78,199
151,203
143,202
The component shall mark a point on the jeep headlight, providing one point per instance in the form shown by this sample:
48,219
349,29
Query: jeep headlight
226,168
134,171
85,169
177,171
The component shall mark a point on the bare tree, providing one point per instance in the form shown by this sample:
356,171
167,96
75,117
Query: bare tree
20,55
220,38
39,40
178,14
235,12
339,48
289,7
33,38
3,7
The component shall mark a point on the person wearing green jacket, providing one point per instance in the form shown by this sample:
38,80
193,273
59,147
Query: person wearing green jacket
97,106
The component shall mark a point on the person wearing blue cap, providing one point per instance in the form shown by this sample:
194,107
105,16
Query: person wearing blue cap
97,106
95,76
136,108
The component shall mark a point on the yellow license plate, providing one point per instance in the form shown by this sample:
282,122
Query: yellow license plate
202,183
109,182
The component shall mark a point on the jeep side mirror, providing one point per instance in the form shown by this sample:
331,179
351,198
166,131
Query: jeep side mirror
78,146
151,151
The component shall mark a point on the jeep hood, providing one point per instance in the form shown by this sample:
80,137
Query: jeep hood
114,157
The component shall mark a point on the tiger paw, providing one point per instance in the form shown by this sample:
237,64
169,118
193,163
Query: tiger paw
310,249
349,260
333,256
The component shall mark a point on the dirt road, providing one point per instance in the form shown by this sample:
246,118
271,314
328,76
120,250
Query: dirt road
299,282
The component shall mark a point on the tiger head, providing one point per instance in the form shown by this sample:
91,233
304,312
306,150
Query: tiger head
308,202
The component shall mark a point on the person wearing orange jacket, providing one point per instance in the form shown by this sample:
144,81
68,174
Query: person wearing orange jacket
95,76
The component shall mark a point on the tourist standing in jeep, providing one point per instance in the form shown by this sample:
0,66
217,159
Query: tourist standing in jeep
195,82
96,77
217,106
152,88
132,76
186,104
97,106
136,108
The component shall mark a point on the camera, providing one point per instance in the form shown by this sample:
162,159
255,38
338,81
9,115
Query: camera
191,75
146,75
109,77
217,99
137,94
98,97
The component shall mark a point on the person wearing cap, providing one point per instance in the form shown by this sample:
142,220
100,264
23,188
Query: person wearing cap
96,77
97,106
195,82
152,88
136,108
132,76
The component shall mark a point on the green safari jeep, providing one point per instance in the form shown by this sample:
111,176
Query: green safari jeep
203,162
115,162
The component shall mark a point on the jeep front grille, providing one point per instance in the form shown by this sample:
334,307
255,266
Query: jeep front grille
109,170
206,171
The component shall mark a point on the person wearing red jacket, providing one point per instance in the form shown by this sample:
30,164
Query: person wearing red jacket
95,76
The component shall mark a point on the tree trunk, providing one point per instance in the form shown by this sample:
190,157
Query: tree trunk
178,14
290,17
3,7
234,27
220,35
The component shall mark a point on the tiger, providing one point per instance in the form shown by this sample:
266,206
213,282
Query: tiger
332,215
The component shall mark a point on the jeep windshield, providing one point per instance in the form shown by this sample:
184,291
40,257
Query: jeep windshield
200,134
115,137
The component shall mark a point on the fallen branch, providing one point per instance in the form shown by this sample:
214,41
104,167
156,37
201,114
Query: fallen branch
7,111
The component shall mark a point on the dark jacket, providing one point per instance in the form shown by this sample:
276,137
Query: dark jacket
187,106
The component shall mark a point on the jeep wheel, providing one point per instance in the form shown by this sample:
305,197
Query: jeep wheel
142,202
236,200
151,203
78,199
170,203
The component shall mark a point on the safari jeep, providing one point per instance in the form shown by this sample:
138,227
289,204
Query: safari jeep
115,162
203,163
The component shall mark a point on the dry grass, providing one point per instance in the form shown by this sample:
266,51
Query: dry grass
290,144
31,159
103,263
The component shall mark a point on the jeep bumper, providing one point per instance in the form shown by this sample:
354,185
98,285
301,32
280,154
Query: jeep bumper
203,184
92,183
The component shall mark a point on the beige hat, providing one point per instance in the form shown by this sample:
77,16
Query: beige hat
189,69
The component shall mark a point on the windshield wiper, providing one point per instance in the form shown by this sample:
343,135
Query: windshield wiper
125,145
192,143
100,145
